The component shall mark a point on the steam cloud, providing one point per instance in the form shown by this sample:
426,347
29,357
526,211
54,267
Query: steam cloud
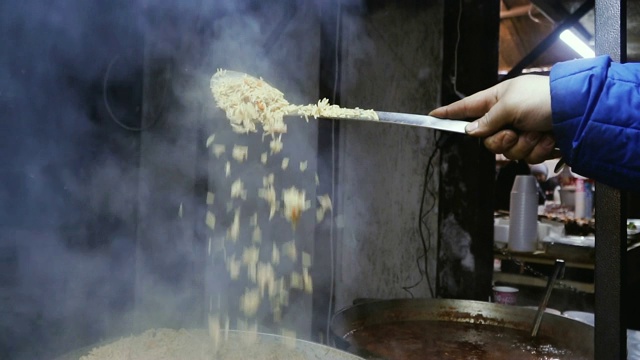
91,244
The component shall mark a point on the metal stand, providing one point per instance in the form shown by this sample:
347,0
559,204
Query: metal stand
611,234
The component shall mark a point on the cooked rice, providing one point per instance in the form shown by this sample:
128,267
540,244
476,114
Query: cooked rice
256,236
289,249
275,255
268,193
296,281
233,267
234,229
306,259
306,280
250,255
294,204
210,140
266,279
238,190
276,144
252,105
324,202
169,344
240,153
250,301
210,220
249,101
218,150
325,110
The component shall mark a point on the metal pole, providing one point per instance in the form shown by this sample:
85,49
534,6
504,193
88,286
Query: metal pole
611,236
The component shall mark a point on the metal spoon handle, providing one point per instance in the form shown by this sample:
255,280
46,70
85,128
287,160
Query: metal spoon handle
558,271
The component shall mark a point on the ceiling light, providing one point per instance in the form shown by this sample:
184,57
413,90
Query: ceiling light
577,44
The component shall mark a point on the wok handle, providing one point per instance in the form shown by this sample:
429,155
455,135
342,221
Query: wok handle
558,271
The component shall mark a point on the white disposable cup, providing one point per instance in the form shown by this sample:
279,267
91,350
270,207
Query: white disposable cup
501,233
543,231
523,214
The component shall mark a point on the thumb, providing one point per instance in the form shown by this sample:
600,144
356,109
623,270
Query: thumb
497,118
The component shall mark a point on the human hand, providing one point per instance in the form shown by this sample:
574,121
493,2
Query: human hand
514,117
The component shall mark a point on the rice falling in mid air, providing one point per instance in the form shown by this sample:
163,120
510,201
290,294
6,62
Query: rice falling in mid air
210,140
234,230
325,205
253,106
294,204
218,150
240,153
268,193
238,190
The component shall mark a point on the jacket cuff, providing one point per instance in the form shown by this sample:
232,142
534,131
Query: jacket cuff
575,86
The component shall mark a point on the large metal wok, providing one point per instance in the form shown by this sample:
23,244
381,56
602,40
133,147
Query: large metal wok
303,349
574,336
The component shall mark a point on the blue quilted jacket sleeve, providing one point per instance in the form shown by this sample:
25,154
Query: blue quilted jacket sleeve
596,119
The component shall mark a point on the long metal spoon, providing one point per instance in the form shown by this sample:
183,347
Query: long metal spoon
456,126
558,272
220,80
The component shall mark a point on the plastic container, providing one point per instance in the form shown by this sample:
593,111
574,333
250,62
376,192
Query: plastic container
523,214
505,295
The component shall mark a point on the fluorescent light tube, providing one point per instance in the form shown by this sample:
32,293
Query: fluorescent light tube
576,44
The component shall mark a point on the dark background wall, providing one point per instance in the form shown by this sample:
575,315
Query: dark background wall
67,171
386,240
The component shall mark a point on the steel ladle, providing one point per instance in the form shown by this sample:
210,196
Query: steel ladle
558,272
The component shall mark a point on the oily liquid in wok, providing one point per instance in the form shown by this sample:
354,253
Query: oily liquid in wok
409,340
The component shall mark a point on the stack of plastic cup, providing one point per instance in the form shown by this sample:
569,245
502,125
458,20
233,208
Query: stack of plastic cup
523,214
